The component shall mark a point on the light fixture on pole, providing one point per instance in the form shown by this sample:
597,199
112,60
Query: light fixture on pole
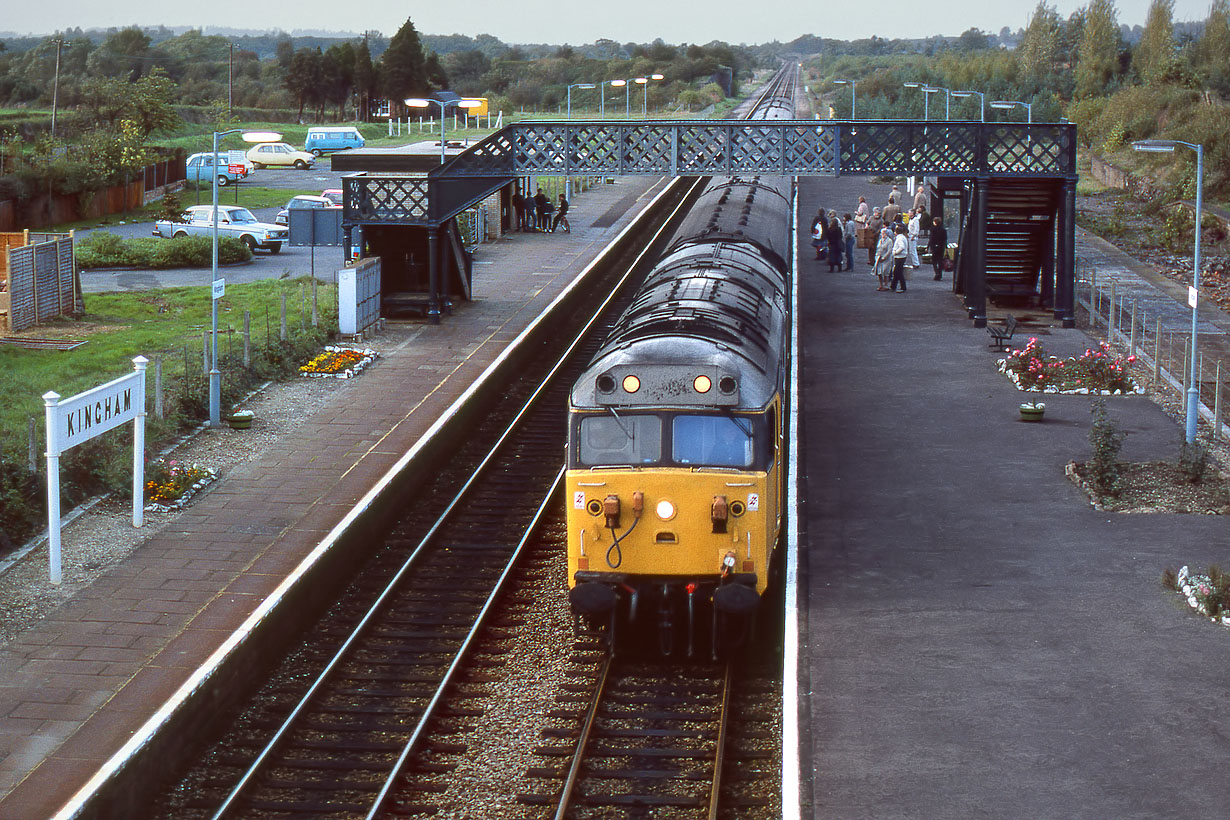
572,86
935,89
1193,296
424,102
852,84
982,102
645,88
1010,104
217,285
613,84
926,96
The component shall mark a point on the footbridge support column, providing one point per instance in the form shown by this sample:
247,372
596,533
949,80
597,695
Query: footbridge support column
1065,263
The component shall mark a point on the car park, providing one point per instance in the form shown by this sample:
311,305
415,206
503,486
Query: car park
232,221
199,168
279,154
325,139
305,202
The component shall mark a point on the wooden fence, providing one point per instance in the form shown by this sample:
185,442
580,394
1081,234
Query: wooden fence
38,281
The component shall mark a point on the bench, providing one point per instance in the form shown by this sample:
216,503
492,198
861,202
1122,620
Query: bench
1001,335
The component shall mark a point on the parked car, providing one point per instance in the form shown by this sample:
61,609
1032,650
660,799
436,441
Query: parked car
323,139
232,221
279,153
304,201
199,168
334,195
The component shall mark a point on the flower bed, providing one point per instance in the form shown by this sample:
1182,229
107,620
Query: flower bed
1208,594
169,485
338,363
1096,372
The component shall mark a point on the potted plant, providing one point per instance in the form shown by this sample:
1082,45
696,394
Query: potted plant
1032,411
240,419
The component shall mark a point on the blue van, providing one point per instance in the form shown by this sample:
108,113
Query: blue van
324,139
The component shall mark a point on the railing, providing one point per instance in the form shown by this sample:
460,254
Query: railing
1161,344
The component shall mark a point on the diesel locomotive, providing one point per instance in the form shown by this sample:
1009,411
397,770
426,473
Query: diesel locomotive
675,438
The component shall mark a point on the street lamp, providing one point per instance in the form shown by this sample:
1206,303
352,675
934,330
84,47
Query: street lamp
614,84
926,96
423,102
1010,104
215,375
933,89
982,102
644,82
1193,390
852,84
572,86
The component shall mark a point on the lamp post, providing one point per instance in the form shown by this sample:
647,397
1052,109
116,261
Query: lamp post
613,84
215,375
423,102
935,89
852,84
644,83
1193,390
572,86
1010,104
926,96
982,102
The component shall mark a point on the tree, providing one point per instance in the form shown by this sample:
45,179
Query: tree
1098,60
147,103
305,78
1211,53
437,77
403,73
364,77
339,68
972,40
1038,53
1155,59
466,69
123,54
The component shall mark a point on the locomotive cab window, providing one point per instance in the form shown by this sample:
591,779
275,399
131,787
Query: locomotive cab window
715,441
614,440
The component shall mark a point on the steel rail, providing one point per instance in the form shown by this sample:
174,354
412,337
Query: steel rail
720,757
587,727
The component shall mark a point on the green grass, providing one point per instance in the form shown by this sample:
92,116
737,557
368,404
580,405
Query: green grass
121,326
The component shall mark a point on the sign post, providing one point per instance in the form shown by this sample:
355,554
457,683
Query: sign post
78,419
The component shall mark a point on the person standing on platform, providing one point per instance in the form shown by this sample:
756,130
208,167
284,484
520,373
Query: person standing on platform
837,239
913,229
541,206
920,198
883,265
561,215
891,210
863,212
937,244
875,224
850,233
518,203
901,249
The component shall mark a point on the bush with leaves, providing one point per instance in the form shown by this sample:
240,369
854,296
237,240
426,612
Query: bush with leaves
106,250
1106,439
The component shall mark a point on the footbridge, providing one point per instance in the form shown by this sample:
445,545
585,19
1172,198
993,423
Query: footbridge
1016,183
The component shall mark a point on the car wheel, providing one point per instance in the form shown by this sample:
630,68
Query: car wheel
274,247
301,165
250,242
315,152
256,166
222,181
180,234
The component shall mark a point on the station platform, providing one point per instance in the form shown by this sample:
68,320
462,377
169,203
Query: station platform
979,640
80,683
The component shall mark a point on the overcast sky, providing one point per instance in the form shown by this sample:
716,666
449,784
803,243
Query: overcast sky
569,21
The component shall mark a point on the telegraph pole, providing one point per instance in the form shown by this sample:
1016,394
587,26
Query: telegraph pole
55,88
230,80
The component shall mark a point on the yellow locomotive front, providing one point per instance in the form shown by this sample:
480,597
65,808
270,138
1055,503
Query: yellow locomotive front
674,507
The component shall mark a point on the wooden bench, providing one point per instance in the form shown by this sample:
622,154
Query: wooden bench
1001,335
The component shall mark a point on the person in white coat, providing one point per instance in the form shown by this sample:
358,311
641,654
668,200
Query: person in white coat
914,228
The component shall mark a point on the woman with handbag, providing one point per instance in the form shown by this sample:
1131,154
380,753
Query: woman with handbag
883,266
937,244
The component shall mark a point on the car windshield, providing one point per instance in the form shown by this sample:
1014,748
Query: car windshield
610,440
718,441
240,215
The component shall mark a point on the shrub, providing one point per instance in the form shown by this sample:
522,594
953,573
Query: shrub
1107,440
106,250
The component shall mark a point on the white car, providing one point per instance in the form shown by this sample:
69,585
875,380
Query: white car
232,221
279,153
303,202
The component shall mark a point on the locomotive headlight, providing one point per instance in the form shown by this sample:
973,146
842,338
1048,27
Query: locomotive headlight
665,510
702,384
631,384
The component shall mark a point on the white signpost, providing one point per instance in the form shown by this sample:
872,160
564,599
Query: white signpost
81,418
